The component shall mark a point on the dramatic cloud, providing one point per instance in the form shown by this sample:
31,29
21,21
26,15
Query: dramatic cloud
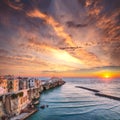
51,36
56,26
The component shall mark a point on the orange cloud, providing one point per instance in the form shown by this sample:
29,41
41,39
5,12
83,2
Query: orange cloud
59,29
58,56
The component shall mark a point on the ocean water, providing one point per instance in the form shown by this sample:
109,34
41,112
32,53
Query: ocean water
70,103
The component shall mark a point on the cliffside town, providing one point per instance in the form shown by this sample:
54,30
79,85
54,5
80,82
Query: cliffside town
19,94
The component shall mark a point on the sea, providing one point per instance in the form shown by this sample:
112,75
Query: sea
68,102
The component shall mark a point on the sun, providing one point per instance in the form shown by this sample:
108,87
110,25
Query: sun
107,76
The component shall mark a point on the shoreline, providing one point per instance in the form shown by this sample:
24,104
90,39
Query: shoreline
24,116
46,86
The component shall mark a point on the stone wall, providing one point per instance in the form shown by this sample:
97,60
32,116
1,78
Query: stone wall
2,113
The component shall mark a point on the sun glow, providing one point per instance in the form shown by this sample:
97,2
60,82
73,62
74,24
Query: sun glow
107,75
64,57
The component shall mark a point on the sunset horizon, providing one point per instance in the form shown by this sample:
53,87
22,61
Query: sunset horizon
85,73
35,40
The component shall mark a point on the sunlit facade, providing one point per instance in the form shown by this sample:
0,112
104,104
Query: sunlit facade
3,85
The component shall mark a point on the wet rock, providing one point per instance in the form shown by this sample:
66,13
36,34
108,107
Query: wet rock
42,106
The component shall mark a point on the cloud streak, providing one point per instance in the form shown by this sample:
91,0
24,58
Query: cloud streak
55,25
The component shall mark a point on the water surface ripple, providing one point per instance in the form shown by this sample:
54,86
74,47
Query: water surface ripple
70,103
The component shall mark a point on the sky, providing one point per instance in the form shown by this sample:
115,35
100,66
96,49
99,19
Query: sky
74,38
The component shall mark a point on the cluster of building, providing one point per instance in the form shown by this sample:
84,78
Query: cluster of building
10,83
17,92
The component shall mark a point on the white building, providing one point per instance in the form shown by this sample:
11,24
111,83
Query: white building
34,83
31,82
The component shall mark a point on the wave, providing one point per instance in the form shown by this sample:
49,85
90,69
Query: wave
77,101
78,106
115,106
80,113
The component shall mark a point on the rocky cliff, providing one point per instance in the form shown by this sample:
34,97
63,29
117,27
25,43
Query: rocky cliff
12,104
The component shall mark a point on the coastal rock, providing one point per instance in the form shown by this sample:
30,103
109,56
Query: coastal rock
42,106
